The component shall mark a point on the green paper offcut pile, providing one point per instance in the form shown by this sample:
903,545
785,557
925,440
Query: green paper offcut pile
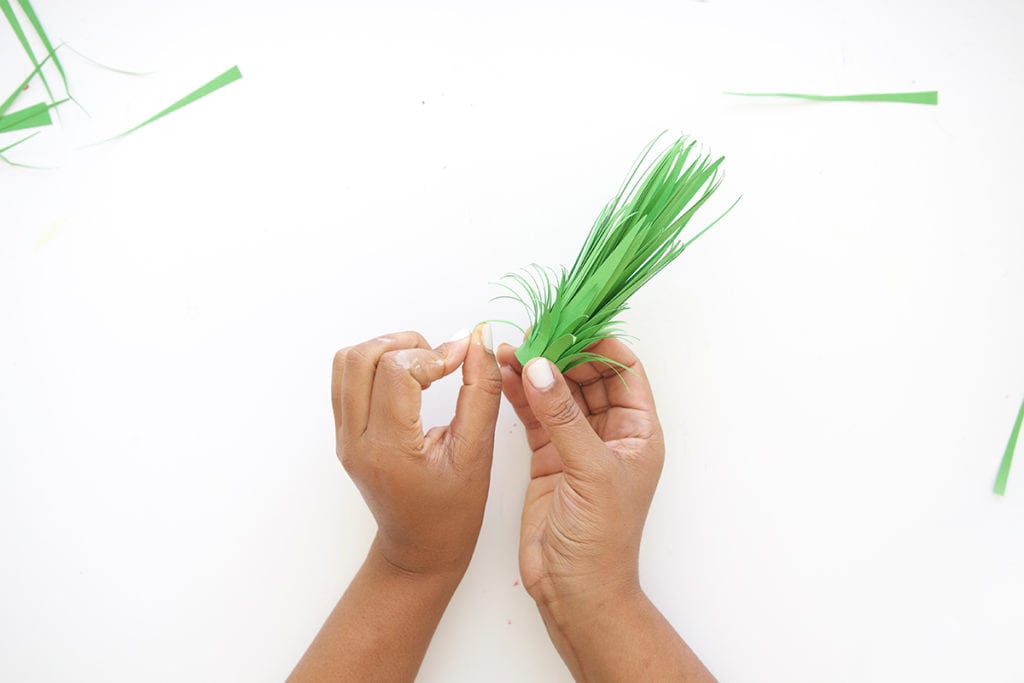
38,115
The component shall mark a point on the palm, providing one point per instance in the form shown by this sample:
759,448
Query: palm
619,409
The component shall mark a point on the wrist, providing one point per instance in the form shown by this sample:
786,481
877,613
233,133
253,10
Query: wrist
586,628
569,610
433,572
620,637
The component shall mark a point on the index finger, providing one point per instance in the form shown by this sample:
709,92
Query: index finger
621,384
398,385
357,373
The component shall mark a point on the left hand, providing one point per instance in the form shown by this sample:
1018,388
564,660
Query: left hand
426,490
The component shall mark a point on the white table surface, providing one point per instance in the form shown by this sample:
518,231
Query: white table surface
837,364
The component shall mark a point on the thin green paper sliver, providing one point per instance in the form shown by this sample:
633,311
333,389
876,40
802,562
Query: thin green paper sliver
12,146
15,144
33,18
1011,446
6,104
5,7
229,76
106,67
921,97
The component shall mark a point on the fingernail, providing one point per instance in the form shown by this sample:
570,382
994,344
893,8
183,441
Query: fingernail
459,336
486,339
540,375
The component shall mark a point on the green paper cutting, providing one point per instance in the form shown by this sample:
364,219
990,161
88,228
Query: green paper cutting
6,104
229,76
30,117
1011,446
33,19
12,19
922,97
107,67
38,115
13,145
635,236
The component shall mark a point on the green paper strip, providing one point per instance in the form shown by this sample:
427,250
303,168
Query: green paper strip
30,117
1004,466
5,7
67,46
35,116
15,144
17,91
12,146
923,97
33,18
229,76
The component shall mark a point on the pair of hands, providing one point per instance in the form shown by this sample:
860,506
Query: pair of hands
597,456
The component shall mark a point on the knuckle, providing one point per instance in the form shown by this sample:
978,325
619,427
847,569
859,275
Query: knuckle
339,358
451,446
347,458
490,384
389,361
462,452
530,422
405,338
562,412
355,356
397,365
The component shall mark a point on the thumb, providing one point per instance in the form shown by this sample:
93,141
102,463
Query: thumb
557,411
476,410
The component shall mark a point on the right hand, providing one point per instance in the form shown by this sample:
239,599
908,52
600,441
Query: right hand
598,451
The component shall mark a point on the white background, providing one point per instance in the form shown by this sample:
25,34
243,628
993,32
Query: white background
837,363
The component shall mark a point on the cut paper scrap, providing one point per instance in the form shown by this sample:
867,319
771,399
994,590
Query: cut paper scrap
36,116
6,104
922,97
12,146
33,19
229,76
12,19
107,67
1004,466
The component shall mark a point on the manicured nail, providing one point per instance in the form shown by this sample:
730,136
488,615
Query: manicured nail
486,339
459,336
540,375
